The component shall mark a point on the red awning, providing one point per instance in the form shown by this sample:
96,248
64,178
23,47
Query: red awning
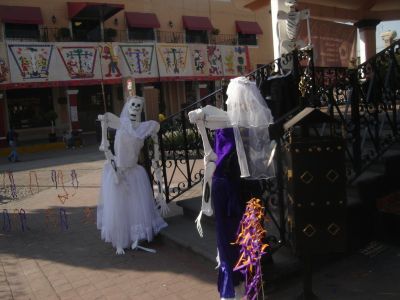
93,10
20,14
142,20
197,23
246,27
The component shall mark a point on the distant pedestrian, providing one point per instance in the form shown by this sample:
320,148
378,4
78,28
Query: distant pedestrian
12,139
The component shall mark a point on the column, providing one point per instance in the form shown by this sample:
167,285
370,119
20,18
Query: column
3,118
367,30
73,109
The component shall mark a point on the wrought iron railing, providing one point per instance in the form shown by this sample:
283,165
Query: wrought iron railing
223,39
170,37
180,143
364,100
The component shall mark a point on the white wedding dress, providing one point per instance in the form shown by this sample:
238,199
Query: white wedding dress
126,211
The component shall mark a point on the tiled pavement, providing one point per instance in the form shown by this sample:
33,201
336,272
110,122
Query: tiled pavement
47,262
50,262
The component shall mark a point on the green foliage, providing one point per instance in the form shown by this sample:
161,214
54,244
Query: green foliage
175,140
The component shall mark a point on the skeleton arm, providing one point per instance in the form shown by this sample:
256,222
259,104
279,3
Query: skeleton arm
108,120
212,118
160,199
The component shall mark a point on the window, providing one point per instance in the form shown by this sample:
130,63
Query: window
247,39
86,30
29,108
21,31
141,34
196,36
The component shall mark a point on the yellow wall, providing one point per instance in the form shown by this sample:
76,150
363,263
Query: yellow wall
222,14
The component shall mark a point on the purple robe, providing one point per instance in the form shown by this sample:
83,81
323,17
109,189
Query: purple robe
228,208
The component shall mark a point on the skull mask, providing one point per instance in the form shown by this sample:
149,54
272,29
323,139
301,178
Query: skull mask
135,107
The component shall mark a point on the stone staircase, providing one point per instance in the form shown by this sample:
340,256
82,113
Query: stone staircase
361,228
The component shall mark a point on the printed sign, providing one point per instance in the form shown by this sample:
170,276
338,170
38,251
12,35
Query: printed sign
139,59
173,60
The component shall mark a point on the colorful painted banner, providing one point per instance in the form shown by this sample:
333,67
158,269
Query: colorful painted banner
37,63
198,55
79,61
242,62
215,61
235,62
334,44
173,60
4,68
110,60
30,61
140,60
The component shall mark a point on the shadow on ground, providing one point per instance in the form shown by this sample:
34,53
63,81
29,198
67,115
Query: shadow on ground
80,245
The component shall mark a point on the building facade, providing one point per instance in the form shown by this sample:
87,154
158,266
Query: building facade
63,63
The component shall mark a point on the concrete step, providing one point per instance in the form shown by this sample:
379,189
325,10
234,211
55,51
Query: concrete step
191,209
182,231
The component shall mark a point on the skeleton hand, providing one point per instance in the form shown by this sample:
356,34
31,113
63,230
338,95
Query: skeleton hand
196,115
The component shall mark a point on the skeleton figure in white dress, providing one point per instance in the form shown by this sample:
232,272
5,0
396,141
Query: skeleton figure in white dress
127,212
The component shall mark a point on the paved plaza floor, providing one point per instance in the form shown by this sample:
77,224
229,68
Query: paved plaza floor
49,259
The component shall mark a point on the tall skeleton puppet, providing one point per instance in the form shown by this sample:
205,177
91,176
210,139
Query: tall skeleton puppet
127,212
242,151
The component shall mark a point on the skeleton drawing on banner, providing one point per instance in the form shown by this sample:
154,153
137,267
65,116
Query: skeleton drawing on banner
33,61
138,59
174,59
229,62
215,60
79,61
241,60
127,212
291,20
198,60
242,150
110,54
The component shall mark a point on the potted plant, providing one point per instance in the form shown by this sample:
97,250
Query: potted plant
215,31
51,117
110,34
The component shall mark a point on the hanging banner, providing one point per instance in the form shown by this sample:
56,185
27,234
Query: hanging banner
79,61
173,60
334,44
30,61
242,61
198,56
76,63
110,60
4,69
140,60
215,60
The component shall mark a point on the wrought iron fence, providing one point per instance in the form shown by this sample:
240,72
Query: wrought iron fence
223,39
170,37
364,100
180,143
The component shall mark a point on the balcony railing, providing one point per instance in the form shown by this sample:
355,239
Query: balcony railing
223,39
64,34
170,37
